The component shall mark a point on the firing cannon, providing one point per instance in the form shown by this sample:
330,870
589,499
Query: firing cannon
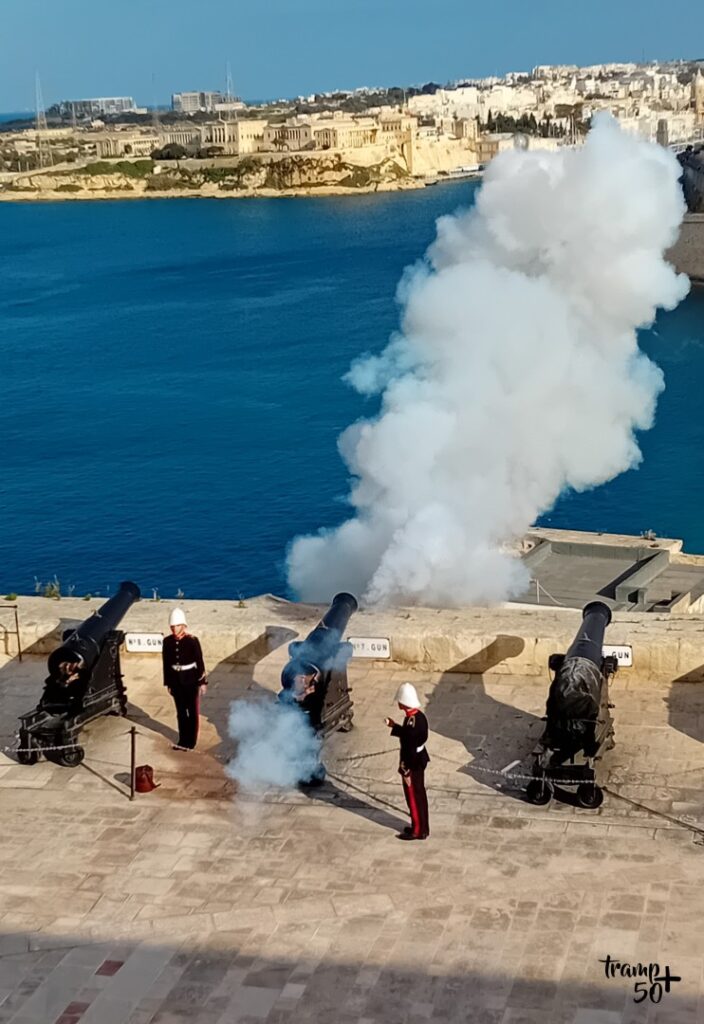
315,677
579,726
84,683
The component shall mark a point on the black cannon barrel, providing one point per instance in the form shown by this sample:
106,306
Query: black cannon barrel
320,647
328,633
589,641
576,691
83,645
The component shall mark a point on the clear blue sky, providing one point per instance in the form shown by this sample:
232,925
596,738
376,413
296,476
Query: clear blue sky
151,48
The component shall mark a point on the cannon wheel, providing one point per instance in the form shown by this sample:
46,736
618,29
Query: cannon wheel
71,758
539,792
590,795
27,753
346,725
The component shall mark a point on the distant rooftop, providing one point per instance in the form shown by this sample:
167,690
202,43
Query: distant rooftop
645,574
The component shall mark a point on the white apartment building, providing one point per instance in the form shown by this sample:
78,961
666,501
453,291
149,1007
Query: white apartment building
235,138
193,102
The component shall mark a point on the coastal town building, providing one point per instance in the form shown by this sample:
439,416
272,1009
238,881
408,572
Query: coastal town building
434,130
235,138
94,107
698,96
291,135
346,133
193,102
137,143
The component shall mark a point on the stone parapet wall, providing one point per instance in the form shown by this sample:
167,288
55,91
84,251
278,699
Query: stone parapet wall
507,640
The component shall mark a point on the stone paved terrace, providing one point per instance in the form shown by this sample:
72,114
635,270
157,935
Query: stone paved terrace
196,905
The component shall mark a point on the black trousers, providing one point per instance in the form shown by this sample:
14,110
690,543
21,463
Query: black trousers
187,700
417,800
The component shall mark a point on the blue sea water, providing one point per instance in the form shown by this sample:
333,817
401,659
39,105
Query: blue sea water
171,387
19,116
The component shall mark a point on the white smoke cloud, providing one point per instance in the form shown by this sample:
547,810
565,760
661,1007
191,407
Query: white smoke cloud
516,374
275,745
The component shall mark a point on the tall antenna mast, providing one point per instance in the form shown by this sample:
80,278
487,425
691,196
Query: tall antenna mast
229,93
155,109
44,150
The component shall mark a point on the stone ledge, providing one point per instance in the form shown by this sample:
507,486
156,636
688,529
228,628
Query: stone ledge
511,639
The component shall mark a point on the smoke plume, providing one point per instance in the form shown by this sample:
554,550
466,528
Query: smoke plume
275,745
516,374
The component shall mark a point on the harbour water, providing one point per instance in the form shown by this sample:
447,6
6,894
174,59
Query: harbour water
171,387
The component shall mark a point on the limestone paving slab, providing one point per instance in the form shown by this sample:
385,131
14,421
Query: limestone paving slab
197,903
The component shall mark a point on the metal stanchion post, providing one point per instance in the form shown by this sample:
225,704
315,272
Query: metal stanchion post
17,629
133,760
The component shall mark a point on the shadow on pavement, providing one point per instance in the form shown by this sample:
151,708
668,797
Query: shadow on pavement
227,977
494,733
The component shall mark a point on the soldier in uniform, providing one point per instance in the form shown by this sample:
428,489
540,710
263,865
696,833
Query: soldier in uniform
302,686
413,734
184,677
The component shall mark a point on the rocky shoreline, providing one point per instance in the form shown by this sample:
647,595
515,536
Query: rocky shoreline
54,196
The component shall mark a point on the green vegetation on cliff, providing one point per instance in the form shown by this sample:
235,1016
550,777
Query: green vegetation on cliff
131,169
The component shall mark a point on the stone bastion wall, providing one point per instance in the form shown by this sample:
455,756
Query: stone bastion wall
687,254
510,639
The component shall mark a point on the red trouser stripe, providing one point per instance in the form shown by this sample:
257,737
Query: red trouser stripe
415,817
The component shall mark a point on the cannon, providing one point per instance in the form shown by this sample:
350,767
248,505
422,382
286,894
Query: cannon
324,656
84,683
579,726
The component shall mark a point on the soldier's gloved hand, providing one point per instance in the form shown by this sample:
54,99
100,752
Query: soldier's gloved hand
390,722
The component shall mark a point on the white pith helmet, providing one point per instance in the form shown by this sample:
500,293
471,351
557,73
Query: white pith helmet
406,695
177,617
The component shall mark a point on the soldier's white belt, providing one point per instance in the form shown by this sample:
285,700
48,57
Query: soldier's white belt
184,668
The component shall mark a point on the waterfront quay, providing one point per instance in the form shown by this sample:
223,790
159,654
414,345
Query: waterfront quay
199,904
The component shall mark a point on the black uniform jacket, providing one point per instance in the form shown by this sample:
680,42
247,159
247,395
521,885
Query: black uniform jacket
413,733
184,650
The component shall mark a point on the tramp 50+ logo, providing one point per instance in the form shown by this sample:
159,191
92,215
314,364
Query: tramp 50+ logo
650,981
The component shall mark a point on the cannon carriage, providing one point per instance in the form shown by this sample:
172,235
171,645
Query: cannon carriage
84,683
579,726
328,705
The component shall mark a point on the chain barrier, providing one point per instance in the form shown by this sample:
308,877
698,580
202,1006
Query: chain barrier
39,748
36,750
501,773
